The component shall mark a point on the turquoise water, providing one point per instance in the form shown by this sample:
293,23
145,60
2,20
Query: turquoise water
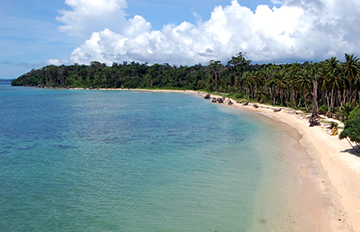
80,160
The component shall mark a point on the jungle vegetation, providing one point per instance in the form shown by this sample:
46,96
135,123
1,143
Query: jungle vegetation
329,87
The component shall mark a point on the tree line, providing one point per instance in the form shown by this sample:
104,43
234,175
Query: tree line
327,87
330,85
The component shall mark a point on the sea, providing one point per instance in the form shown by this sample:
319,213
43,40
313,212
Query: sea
103,160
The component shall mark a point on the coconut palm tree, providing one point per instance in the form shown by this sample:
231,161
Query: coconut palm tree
304,82
334,81
351,71
291,74
281,83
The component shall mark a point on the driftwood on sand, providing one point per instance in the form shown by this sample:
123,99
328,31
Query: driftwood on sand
314,122
277,110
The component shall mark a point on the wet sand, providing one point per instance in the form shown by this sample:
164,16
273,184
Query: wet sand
328,194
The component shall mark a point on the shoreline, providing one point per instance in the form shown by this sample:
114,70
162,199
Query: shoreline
329,196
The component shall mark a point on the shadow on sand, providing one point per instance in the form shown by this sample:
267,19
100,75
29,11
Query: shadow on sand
352,151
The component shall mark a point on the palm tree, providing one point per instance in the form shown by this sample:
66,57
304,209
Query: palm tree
281,84
304,82
272,81
291,75
334,81
351,71
248,83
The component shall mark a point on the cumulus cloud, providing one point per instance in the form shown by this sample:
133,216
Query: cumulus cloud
87,16
296,30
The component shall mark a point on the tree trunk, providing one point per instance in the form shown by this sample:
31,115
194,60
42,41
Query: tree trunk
355,93
293,97
216,82
235,81
344,98
315,104
328,101
305,103
274,95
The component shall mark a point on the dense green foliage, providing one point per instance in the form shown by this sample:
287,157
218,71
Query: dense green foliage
352,127
328,86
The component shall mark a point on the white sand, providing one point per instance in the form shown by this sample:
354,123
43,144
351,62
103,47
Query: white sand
329,197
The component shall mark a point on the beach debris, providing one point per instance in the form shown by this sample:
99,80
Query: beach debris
314,122
230,102
207,96
213,100
239,102
246,103
220,100
332,125
334,129
256,106
277,110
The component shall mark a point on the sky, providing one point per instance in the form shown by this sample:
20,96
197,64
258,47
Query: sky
36,33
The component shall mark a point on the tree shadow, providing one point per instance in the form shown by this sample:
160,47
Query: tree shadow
351,151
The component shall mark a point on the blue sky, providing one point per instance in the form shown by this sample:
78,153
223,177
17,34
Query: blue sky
40,32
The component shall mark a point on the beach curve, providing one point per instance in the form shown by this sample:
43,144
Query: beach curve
328,198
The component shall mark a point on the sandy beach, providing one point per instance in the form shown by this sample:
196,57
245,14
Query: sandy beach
328,198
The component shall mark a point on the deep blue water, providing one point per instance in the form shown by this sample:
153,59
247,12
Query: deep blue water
80,160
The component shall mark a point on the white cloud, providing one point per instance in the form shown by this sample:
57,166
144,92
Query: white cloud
277,2
296,30
88,16
57,62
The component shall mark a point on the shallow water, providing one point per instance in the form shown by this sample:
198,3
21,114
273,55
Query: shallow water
79,160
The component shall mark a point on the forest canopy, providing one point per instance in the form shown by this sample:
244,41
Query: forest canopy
334,84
